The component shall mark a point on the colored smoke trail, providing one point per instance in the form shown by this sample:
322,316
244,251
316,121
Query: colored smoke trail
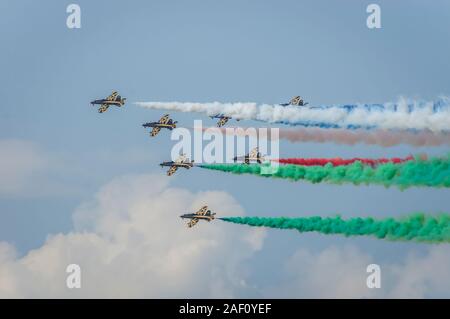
341,136
432,173
374,137
340,161
418,227
403,115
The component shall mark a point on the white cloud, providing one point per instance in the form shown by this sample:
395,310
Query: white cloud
422,276
335,272
130,242
340,272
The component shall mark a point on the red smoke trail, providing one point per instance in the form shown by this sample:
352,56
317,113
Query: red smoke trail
340,161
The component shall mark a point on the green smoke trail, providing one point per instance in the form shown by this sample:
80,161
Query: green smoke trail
432,173
418,227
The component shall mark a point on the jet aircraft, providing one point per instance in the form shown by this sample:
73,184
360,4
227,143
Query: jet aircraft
181,161
113,99
202,214
296,101
164,122
223,119
254,156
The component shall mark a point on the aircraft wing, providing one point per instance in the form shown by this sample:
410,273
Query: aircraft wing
103,108
164,119
192,223
113,96
172,170
155,131
202,211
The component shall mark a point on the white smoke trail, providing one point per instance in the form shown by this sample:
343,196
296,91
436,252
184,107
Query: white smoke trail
247,111
403,115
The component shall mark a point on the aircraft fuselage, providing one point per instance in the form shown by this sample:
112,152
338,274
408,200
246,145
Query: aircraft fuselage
107,102
208,216
248,159
172,163
156,124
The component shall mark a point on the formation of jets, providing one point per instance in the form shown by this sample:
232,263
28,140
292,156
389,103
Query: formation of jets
181,161
253,156
113,99
202,214
165,122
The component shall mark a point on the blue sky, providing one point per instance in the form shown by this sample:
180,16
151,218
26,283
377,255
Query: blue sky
206,51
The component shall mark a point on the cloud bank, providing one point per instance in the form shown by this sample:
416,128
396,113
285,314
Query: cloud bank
130,242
